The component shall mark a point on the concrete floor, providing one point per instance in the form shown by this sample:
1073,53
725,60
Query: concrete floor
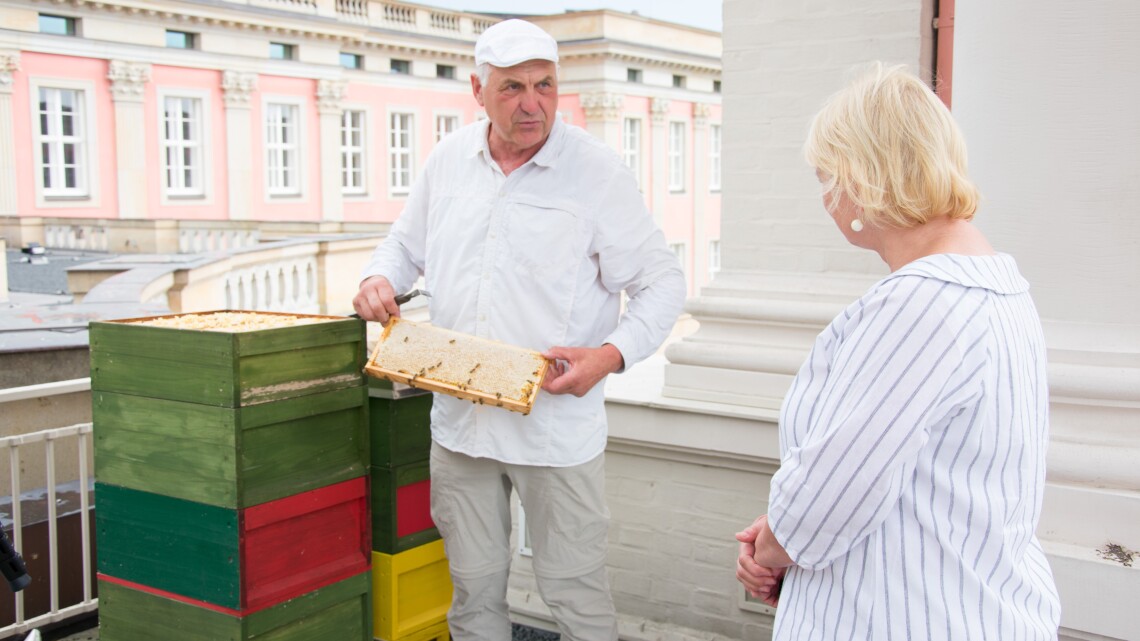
518,633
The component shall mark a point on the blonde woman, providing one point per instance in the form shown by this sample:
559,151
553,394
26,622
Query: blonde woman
913,439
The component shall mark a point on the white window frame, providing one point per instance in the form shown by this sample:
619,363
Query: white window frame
681,249
677,146
715,139
438,119
177,195
274,147
88,195
348,150
631,145
395,153
714,258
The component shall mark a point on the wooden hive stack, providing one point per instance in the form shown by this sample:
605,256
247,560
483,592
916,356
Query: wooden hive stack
231,468
411,585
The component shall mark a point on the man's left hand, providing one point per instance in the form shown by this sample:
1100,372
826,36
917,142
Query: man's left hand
576,370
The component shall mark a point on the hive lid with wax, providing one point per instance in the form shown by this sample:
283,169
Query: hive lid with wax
227,358
457,364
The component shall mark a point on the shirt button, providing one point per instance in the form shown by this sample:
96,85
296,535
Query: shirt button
482,317
487,276
491,235
503,194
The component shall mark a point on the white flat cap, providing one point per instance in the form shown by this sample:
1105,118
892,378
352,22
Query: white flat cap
510,42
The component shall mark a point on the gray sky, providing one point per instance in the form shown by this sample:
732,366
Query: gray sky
705,14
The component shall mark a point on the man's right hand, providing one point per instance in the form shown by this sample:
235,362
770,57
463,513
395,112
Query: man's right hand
376,300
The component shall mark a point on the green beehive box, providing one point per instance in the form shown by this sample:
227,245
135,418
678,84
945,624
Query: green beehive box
231,457
341,611
227,368
401,508
400,424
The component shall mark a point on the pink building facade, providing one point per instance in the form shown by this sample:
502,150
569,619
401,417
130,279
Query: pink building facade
315,116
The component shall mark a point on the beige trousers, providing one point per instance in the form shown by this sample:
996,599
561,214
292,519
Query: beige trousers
567,519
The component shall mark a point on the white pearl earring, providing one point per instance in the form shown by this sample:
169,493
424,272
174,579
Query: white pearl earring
856,225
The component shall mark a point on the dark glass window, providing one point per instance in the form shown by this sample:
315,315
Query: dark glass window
351,60
58,25
181,40
279,51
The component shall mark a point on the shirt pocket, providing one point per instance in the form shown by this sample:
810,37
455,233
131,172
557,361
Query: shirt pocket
542,239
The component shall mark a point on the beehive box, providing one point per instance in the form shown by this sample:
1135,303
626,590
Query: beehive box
231,457
411,591
242,560
399,425
401,508
468,367
267,361
341,611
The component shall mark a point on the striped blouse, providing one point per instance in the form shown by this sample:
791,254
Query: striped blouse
913,463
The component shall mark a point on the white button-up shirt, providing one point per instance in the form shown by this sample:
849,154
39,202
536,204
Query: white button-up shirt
536,259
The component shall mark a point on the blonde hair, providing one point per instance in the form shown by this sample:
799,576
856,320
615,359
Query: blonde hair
891,146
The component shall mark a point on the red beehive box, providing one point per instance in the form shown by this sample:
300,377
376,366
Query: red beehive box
242,560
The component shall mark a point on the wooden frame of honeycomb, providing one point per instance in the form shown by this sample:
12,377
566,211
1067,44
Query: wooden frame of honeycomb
461,365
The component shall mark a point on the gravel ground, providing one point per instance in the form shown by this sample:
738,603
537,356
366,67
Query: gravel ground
46,273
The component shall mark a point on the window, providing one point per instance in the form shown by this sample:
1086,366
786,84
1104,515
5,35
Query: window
631,145
182,155
716,86
676,156
633,75
714,258
679,81
181,40
682,256
352,152
279,51
58,25
401,66
400,153
445,125
445,71
714,157
282,149
63,142
351,60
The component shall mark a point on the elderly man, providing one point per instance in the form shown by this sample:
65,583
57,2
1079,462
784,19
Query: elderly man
527,230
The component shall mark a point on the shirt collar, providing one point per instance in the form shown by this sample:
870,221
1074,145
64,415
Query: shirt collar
997,272
545,157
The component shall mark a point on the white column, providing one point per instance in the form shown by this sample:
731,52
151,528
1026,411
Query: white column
9,64
128,83
603,117
701,113
1059,176
330,95
786,271
237,88
659,157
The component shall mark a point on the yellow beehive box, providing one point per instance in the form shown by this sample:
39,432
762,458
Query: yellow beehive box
411,592
434,633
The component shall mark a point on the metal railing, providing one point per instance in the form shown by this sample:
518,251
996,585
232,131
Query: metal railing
52,441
